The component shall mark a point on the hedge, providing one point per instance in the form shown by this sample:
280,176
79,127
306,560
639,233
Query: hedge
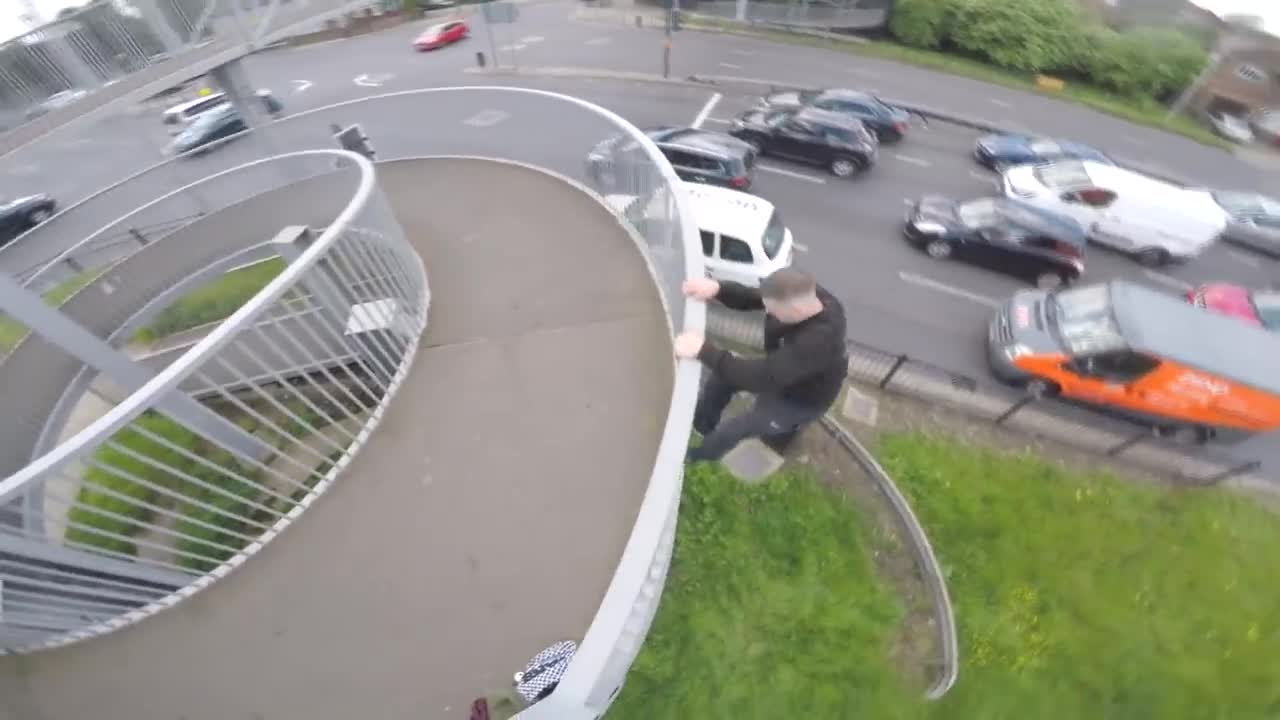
1053,37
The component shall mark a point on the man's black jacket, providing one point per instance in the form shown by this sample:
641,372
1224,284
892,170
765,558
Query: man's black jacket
806,362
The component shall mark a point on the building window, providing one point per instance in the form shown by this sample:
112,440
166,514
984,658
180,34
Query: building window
1252,73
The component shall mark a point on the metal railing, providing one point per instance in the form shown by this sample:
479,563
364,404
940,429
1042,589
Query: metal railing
628,174
811,14
163,495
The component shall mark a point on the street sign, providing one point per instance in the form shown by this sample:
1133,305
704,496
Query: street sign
354,139
499,13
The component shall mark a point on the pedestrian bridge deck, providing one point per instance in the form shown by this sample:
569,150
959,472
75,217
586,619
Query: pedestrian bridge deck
482,521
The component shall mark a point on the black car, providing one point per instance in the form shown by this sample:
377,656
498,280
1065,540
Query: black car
1000,150
1253,221
886,121
21,214
208,128
696,155
820,137
1000,233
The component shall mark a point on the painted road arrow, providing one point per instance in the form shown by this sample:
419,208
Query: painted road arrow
301,85
376,80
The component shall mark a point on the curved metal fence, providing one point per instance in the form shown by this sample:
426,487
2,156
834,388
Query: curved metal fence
811,14
594,148
165,493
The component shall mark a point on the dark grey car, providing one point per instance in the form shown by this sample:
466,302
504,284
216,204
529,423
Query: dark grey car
1254,221
19,215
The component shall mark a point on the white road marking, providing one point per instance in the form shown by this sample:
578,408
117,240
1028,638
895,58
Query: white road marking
486,118
730,66
912,160
600,41
791,174
531,39
1245,258
512,48
744,53
800,248
1001,103
977,175
374,80
948,289
301,85
706,110
1167,280
719,121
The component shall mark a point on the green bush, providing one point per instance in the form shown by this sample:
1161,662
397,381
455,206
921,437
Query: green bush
214,301
1145,63
921,23
1030,35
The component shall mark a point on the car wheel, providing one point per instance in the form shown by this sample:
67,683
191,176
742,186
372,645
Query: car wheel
938,249
1051,280
845,166
1041,388
1187,434
1154,257
38,216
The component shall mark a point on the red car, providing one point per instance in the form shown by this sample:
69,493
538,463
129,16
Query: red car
437,36
1261,308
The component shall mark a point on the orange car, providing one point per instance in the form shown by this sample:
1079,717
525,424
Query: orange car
1147,355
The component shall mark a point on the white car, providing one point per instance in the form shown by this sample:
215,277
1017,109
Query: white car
743,236
1154,221
1231,127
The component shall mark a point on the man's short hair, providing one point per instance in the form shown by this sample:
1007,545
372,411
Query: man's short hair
788,284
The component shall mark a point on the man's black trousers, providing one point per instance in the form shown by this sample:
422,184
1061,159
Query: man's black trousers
771,417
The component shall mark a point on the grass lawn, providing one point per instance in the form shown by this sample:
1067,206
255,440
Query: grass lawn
214,301
1077,596
1141,111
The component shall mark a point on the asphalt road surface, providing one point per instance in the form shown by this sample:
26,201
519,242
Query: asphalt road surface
849,230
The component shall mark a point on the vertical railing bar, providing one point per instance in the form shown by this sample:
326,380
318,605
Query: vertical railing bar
361,268
389,285
160,488
375,337
327,286
373,253
143,592
9,580
204,461
75,545
71,502
141,524
133,540
15,596
286,384
324,369
257,388
331,279
52,612
357,358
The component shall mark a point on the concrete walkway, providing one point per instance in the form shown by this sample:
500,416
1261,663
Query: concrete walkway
483,520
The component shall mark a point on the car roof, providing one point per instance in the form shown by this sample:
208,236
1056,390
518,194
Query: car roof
1169,327
827,117
180,107
1047,222
847,94
729,212
704,140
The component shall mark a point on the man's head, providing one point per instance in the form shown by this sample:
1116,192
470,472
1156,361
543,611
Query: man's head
790,295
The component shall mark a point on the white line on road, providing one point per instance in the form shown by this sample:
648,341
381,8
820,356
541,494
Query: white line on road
1245,258
512,48
744,53
791,174
912,160
1167,280
730,66
600,41
944,288
530,39
706,110
374,80
1001,103
486,118
719,121
301,85
800,248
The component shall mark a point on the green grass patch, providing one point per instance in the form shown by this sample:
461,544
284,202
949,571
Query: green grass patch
772,609
212,302
1140,111
11,332
1077,595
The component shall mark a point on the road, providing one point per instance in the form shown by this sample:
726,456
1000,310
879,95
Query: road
897,298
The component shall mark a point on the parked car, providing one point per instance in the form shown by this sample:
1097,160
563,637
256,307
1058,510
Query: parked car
701,156
53,102
183,114
998,151
889,123
203,135
1256,307
437,36
819,137
743,236
1002,234
1253,220
1266,126
1231,127
21,214
1153,221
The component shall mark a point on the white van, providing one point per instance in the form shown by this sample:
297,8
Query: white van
743,236
1152,220
181,115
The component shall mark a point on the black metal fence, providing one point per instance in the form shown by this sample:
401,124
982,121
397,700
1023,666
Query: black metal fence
93,254
1087,428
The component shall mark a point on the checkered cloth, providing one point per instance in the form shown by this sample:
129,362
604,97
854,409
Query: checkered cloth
544,670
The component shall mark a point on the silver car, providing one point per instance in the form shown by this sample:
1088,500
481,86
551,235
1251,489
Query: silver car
1254,221
1231,127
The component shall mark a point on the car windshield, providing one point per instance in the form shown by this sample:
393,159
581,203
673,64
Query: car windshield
979,213
1045,147
1238,202
1062,175
774,233
1084,321
208,119
775,119
1268,306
